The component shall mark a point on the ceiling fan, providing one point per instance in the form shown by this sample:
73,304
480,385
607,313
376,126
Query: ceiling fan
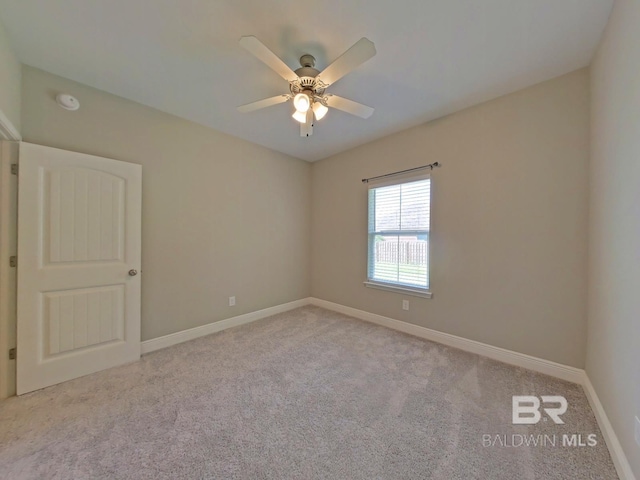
307,86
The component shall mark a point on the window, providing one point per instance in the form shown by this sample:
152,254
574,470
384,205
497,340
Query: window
399,215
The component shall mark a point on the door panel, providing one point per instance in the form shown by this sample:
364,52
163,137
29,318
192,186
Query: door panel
78,237
74,319
84,216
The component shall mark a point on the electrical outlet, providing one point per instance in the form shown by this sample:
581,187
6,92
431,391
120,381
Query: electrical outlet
405,304
232,301
638,431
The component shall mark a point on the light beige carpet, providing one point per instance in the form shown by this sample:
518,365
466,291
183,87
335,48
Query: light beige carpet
305,394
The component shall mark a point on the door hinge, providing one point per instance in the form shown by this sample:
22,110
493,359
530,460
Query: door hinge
14,169
12,354
13,261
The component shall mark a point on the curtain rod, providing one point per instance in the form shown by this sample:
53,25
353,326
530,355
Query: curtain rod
431,166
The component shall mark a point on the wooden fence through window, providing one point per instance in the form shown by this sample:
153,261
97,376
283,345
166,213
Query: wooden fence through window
411,253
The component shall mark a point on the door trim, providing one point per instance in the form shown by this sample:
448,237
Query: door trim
9,138
7,130
8,248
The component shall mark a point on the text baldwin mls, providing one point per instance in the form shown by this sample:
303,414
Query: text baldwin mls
517,440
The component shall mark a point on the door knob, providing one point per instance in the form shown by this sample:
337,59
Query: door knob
133,273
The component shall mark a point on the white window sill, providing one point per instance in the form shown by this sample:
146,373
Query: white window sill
399,289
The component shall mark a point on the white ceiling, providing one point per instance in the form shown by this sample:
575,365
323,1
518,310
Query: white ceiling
183,57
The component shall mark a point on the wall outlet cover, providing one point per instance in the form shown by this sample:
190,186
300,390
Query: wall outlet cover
405,304
232,301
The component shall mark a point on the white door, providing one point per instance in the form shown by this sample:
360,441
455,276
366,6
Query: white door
78,265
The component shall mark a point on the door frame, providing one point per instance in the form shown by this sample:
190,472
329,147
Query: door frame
9,144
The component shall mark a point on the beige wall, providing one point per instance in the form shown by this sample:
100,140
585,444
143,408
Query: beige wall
613,347
509,221
10,73
221,216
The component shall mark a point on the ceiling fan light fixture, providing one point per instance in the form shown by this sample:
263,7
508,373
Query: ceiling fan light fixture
300,116
307,85
319,110
302,102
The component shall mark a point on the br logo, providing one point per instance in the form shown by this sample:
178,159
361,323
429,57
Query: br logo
526,408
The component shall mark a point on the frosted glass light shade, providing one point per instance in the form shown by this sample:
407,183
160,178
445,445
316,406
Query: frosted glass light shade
319,110
300,116
302,102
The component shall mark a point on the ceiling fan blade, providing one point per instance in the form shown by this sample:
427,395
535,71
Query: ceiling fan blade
260,50
267,102
349,106
306,129
359,53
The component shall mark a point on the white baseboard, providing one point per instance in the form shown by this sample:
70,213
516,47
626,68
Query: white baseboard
564,372
617,454
193,333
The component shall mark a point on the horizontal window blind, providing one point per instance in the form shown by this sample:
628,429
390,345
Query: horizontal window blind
399,218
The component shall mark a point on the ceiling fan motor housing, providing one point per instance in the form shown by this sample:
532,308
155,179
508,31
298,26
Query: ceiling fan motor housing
306,81
307,84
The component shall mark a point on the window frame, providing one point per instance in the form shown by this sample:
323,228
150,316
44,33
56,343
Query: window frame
401,288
